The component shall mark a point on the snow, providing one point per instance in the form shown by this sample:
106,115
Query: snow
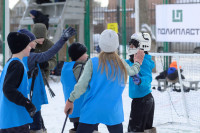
53,113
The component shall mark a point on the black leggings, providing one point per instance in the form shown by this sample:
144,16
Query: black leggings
21,129
89,128
142,113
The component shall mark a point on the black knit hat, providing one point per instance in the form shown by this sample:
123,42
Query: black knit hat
28,33
17,42
76,50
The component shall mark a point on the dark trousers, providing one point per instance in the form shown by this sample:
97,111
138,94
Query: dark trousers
142,113
21,129
89,128
37,122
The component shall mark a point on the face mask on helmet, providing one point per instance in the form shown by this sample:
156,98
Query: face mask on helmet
133,47
132,51
144,40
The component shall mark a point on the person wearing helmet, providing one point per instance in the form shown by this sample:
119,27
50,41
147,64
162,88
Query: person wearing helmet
103,84
142,107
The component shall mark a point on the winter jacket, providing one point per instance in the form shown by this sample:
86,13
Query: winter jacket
67,74
78,69
11,114
145,74
41,32
39,58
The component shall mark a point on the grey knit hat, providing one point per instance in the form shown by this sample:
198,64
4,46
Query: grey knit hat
109,41
39,30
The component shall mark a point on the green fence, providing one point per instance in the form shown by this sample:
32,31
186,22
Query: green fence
122,12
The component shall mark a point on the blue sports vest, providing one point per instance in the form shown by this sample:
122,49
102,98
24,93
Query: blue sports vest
138,91
11,114
103,100
39,93
68,81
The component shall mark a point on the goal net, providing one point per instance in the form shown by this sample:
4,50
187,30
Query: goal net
179,102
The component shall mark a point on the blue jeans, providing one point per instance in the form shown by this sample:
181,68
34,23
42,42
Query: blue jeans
89,128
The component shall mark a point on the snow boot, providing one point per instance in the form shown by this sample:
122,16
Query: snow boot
37,131
136,132
44,130
72,131
95,131
152,130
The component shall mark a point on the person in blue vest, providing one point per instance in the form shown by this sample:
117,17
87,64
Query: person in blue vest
16,109
103,81
71,71
142,107
39,96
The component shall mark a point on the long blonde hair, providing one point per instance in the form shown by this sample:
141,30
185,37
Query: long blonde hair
115,62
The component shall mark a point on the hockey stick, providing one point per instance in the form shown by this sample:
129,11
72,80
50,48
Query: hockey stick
33,82
65,121
52,94
69,109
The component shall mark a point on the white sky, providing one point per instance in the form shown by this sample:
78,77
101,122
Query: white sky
12,3
104,3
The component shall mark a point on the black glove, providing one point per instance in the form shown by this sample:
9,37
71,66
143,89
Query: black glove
44,65
33,72
30,108
67,33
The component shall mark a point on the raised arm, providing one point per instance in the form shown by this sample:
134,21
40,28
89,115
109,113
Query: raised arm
45,56
138,59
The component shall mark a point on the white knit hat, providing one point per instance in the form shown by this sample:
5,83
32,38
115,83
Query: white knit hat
109,41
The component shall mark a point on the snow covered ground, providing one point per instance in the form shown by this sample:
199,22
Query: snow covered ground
54,116
169,105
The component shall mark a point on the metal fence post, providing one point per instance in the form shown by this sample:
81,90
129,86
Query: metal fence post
3,32
29,27
87,26
124,28
166,47
6,30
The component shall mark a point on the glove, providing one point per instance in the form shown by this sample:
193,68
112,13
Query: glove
139,56
33,72
44,65
136,79
67,33
30,108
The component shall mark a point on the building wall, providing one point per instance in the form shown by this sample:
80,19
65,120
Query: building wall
16,14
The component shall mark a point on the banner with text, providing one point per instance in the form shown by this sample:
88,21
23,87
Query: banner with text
178,23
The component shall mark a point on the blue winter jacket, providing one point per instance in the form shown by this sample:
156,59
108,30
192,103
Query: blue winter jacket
138,91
